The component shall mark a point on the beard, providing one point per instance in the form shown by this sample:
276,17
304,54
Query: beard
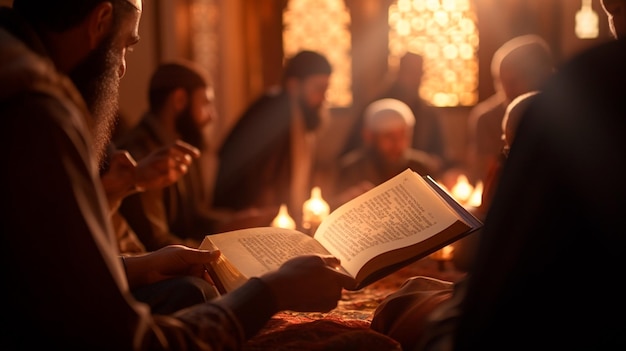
312,114
389,163
189,130
97,80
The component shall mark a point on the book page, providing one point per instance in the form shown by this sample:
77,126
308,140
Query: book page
398,213
257,251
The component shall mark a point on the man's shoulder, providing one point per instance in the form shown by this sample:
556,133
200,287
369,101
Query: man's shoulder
354,159
273,101
488,108
424,163
23,71
33,79
267,117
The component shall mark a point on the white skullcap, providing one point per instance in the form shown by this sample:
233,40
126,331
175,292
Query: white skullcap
386,114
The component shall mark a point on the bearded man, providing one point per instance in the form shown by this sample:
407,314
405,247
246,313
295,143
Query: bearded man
67,286
181,105
267,158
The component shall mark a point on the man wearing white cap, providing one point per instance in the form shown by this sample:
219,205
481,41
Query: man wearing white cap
387,136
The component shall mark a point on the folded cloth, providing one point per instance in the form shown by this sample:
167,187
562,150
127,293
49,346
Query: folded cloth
404,314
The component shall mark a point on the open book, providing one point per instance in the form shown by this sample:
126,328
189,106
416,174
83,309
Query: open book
390,226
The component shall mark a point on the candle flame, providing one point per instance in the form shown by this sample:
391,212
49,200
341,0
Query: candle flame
477,195
283,220
315,209
462,190
444,254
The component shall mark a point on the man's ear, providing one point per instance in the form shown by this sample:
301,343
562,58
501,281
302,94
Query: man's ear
100,21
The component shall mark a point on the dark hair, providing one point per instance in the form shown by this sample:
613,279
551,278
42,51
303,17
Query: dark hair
306,63
171,76
58,16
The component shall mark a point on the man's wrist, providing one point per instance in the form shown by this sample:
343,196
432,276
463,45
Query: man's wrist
253,304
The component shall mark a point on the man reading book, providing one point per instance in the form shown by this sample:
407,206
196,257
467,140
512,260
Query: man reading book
69,289
553,241
397,222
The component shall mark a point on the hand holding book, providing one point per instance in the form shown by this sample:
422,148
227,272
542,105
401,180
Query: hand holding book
376,233
318,286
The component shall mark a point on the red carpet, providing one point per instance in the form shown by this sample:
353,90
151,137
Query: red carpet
347,326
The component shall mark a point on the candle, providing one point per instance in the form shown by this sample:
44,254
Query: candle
462,190
314,210
443,254
476,198
283,220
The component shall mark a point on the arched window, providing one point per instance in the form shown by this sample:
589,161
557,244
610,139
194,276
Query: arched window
445,33
322,26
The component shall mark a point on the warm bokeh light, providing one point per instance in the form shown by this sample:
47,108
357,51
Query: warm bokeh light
462,190
446,253
445,33
283,219
314,210
323,26
476,199
587,21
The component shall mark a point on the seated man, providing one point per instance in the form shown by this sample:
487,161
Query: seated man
464,249
267,159
520,65
551,244
405,83
181,104
387,134
69,289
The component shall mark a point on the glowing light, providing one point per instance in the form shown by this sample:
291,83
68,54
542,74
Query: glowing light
302,30
586,21
476,198
446,34
462,189
314,210
446,253
283,219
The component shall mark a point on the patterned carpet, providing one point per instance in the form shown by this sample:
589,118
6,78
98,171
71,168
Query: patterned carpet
347,326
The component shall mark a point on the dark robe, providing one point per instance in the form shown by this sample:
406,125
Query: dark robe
552,253
254,160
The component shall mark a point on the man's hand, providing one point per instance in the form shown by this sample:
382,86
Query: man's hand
168,262
119,179
164,166
308,283
159,169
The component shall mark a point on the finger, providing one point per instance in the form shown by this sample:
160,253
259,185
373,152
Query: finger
345,280
123,158
205,256
334,264
188,149
182,168
179,158
331,261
